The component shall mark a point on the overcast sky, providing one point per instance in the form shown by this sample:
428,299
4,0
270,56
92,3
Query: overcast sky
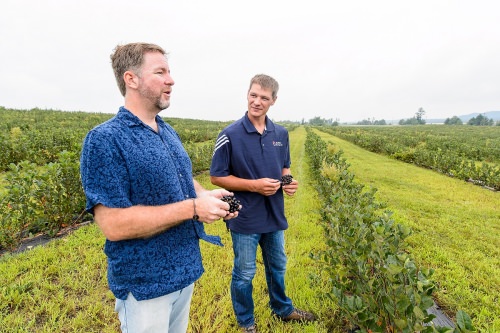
345,60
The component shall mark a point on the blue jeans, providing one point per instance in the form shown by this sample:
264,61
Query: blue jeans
273,252
168,313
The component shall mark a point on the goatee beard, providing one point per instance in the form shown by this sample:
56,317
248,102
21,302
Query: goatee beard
162,105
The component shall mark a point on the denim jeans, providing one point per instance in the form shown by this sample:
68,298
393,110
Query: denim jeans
169,313
273,252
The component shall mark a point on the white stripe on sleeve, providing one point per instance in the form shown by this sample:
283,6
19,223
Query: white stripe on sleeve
221,141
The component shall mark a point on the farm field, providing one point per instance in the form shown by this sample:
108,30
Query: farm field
470,153
61,287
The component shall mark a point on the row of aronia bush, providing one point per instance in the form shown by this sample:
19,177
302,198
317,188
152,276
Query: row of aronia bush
40,153
375,281
469,153
39,135
40,164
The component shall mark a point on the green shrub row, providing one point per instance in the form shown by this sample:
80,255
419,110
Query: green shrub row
40,199
375,282
200,155
37,146
471,142
482,174
45,199
39,135
40,158
452,153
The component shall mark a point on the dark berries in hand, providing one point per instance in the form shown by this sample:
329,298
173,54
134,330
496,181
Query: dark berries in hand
234,204
286,179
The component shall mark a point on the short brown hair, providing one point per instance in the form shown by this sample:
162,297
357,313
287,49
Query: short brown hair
130,57
266,82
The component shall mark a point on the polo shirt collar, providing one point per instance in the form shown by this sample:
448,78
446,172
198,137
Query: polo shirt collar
132,120
249,127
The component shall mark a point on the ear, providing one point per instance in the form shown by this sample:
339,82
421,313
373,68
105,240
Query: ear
274,100
131,79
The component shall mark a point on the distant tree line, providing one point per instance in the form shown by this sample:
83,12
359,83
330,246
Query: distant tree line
318,121
480,120
453,121
415,120
372,122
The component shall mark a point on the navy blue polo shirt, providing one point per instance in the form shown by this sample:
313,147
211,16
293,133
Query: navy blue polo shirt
126,163
241,151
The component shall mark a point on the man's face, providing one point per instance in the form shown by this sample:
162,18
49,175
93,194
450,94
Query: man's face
259,101
155,82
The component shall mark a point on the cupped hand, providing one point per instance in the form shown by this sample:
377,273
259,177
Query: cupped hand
267,186
291,188
212,208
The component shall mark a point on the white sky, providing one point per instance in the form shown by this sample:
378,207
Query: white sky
345,60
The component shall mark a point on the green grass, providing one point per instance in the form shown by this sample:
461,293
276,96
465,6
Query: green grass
456,229
61,287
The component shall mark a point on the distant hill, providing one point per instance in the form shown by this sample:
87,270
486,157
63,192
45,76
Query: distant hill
495,115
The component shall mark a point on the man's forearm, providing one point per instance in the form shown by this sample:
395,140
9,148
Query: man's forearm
141,221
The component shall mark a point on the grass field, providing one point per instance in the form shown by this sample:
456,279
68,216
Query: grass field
61,287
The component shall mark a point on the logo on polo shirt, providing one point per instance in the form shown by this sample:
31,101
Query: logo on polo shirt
277,144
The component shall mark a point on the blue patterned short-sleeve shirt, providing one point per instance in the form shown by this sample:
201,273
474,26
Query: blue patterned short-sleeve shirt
125,163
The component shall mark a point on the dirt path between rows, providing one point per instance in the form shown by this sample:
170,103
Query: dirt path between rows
42,239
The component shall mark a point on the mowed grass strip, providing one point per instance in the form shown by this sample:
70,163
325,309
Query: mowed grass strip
456,229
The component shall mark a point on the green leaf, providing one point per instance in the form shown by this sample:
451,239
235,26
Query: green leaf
394,269
358,303
426,302
464,322
418,313
403,304
400,323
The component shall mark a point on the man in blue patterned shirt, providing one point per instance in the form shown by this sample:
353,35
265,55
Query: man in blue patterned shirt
139,186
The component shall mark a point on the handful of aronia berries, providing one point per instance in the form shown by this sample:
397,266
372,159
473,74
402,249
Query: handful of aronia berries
234,204
286,179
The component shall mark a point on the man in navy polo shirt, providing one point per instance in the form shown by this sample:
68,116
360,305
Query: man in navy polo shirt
139,186
250,157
